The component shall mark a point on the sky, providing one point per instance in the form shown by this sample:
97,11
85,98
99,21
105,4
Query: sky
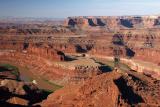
65,8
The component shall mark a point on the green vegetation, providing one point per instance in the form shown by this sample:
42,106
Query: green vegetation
14,70
56,87
122,66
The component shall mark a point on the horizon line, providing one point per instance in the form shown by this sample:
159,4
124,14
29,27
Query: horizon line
45,17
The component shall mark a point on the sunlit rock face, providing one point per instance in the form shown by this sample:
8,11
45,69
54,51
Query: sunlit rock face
115,21
67,54
111,89
14,91
143,43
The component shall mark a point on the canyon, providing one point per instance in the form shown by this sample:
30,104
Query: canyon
74,58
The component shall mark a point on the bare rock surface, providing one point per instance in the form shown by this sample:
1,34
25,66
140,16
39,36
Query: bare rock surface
107,90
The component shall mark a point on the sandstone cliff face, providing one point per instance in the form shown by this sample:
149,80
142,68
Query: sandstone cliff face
32,48
113,22
13,28
46,52
91,93
14,92
106,90
38,58
53,48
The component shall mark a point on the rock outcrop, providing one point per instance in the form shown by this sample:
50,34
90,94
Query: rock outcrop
45,50
16,93
107,90
115,22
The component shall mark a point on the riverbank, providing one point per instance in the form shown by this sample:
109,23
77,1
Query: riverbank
27,76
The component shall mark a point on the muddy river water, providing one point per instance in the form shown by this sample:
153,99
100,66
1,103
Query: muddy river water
27,76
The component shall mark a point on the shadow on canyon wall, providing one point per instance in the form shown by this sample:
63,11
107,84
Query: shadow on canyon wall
100,23
126,23
127,92
129,52
91,23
